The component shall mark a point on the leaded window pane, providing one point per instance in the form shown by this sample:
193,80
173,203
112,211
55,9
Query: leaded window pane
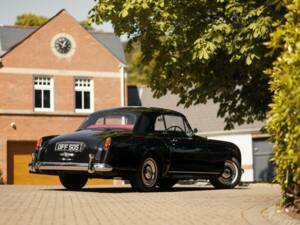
38,98
87,100
78,99
46,98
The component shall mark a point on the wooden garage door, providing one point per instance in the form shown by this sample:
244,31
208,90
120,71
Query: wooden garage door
19,155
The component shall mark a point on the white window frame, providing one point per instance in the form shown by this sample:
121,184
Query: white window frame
82,89
43,87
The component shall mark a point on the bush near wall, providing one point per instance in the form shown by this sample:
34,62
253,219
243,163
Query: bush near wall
284,117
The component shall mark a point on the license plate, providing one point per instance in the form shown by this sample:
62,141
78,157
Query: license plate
69,147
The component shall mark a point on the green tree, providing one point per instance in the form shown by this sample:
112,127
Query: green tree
137,72
86,24
284,117
200,50
31,20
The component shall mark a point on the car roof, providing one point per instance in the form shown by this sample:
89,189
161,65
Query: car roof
139,109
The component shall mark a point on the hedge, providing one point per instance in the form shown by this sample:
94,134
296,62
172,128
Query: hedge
284,117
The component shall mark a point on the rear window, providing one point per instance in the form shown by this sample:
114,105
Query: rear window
110,121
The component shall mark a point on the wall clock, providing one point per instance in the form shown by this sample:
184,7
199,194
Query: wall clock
63,45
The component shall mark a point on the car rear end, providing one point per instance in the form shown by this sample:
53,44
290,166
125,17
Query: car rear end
74,153
93,151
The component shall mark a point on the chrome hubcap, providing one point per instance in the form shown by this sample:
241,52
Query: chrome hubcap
149,172
227,173
230,173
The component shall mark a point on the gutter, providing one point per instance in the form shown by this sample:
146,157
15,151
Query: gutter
123,75
1,50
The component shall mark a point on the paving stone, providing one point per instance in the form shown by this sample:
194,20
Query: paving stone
119,205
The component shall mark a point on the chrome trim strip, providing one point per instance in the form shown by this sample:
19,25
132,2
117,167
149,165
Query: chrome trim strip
98,167
102,167
193,172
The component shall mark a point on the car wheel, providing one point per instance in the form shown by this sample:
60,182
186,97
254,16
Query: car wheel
167,183
73,181
230,176
146,177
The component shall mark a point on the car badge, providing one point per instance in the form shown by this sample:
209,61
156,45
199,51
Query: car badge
66,154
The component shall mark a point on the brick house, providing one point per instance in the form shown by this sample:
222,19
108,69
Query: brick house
50,79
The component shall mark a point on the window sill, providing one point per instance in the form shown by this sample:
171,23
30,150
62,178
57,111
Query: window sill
38,110
83,111
43,113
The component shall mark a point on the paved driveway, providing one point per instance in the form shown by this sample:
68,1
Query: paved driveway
119,205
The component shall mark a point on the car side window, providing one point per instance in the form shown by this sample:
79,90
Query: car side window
175,123
159,124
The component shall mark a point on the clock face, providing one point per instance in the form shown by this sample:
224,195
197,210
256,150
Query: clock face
63,45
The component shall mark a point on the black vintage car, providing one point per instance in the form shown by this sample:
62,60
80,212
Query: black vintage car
148,146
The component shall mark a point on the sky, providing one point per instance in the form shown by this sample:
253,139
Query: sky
10,9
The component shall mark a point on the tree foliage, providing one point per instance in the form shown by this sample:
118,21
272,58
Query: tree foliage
31,20
284,117
200,50
86,24
137,71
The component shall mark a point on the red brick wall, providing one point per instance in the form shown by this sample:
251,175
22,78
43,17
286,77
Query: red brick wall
35,51
31,127
64,93
107,92
16,90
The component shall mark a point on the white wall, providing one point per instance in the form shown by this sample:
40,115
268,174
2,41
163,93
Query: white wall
244,142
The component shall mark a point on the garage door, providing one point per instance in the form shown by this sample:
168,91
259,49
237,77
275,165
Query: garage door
264,170
19,155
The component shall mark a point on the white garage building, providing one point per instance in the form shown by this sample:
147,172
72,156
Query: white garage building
255,147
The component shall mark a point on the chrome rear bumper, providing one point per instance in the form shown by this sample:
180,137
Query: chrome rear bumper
97,167
90,167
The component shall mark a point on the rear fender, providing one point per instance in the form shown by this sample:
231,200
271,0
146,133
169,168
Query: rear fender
161,154
40,149
46,139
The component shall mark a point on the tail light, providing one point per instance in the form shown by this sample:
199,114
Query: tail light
38,144
106,144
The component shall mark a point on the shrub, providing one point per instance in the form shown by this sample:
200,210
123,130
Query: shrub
284,118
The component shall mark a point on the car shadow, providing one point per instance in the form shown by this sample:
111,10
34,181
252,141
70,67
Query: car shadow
128,189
